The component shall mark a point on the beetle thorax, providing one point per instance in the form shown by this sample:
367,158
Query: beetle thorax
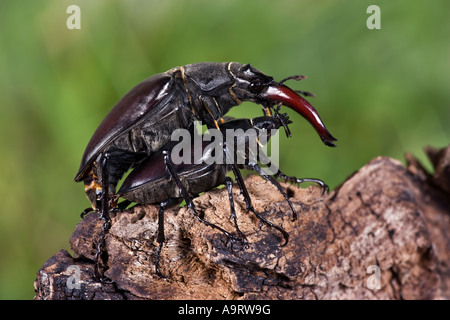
210,90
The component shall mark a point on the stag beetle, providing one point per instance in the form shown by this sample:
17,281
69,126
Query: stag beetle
157,180
142,121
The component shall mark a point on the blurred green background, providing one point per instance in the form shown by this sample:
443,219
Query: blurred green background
380,92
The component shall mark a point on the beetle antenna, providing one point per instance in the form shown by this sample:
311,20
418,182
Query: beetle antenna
295,77
305,93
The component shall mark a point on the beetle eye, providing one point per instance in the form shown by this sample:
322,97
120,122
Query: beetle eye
265,125
246,67
255,87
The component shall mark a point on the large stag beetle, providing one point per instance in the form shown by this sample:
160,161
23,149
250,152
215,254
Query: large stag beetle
143,120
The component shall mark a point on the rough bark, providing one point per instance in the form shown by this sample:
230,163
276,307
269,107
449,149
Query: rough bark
385,222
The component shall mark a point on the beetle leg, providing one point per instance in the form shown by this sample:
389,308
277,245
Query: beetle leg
161,238
323,185
229,184
272,180
187,198
281,175
267,111
123,205
248,201
85,212
104,215
215,113
240,181
250,207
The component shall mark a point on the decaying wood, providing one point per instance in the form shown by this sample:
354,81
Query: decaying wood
382,234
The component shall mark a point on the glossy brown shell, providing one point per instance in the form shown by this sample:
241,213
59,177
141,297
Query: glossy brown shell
128,111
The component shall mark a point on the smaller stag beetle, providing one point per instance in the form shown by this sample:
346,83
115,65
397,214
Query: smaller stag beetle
142,122
158,180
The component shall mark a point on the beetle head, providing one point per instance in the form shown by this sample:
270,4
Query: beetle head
253,85
250,82
272,123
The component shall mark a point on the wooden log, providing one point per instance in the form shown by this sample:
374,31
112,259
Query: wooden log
384,233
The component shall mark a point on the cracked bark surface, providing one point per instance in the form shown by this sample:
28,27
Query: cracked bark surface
384,233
